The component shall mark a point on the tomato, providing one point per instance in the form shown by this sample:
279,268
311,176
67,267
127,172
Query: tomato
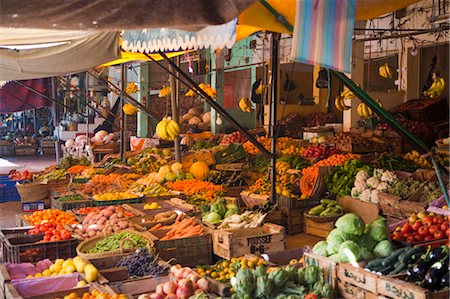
406,228
42,229
55,238
439,234
423,230
396,235
444,226
416,225
410,239
46,238
428,238
419,237
310,296
428,221
447,232
437,219
65,234
433,228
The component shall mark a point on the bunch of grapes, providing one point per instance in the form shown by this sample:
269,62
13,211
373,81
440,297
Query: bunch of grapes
143,263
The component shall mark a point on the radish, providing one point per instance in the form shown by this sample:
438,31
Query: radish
203,284
183,292
169,287
159,289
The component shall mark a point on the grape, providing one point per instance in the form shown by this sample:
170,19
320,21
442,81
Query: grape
143,263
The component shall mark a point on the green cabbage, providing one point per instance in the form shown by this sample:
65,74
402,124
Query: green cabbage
212,217
351,224
219,208
366,255
335,238
378,231
321,248
384,248
367,242
349,252
335,258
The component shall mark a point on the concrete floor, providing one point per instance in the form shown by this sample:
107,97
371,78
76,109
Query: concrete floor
31,163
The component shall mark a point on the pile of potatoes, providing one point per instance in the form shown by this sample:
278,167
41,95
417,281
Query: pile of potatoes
107,221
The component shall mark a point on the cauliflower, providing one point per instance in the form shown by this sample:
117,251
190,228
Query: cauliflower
365,195
382,186
389,177
378,172
355,192
374,196
360,186
372,182
362,176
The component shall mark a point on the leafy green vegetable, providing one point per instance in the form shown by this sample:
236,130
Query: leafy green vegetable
366,255
367,241
212,217
349,252
384,248
378,231
321,248
334,240
351,224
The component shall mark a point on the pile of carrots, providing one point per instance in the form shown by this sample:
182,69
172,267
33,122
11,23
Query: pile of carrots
181,228
333,160
77,169
107,179
191,187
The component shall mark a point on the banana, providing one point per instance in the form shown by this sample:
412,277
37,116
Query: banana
259,90
164,92
131,88
384,71
337,103
388,70
245,105
347,94
379,103
129,109
167,129
436,88
364,111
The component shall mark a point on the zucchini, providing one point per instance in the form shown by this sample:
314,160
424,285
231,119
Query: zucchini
376,268
394,256
412,251
328,202
375,263
387,269
398,268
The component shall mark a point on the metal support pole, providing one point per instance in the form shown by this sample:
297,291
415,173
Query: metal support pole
191,84
57,143
275,43
417,142
86,86
122,114
174,104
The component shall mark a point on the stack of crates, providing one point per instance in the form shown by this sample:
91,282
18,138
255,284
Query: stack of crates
8,190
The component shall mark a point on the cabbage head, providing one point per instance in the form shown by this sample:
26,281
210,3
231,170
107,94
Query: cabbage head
349,252
335,258
366,255
321,248
367,241
384,248
378,231
212,217
351,224
335,238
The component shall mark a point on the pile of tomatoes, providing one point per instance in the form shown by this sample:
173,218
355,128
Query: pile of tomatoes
52,232
51,215
17,175
423,226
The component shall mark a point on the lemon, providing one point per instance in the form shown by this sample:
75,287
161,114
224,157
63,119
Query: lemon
70,269
67,263
55,268
59,262
29,276
81,283
46,272
38,275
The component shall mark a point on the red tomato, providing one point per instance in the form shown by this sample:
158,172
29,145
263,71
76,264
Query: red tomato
310,296
428,238
410,239
396,235
437,219
65,234
54,232
439,234
447,232
423,230
428,221
406,228
416,225
419,237
46,238
42,229
55,238
444,226
433,228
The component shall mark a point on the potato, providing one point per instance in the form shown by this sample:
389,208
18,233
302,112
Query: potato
91,234
120,215
123,224
107,213
113,216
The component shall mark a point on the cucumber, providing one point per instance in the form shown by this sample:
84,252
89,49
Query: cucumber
398,268
328,202
326,212
390,260
317,210
376,268
412,251
387,269
375,263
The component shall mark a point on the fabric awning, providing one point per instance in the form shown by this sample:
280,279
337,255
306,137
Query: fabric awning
131,56
72,57
24,36
15,98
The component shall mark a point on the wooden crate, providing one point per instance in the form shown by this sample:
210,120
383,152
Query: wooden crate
275,217
139,286
25,151
349,291
234,243
328,266
318,229
252,200
293,220
6,150
366,210
190,251
346,273
230,166
4,278
399,289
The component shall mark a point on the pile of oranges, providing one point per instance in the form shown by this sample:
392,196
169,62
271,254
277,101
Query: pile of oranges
51,215
95,294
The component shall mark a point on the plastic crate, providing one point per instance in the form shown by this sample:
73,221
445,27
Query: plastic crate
8,190
70,205
19,247
102,203
33,206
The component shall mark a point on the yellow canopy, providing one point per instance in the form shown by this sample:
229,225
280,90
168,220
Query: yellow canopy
130,56
258,18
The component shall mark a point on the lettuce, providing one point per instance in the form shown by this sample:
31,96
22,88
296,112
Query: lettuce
366,255
349,252
321,248
335,238
367,241
351,224
384,248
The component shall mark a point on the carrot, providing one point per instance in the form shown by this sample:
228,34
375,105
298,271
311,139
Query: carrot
155,227
178,219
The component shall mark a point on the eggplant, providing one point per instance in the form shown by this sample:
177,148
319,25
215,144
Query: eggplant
433,278
421,267
445,279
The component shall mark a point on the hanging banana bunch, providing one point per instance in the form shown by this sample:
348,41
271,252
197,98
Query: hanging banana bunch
384,71
131,88
206,88
436,88
167,129
260,89
364,111
129,109
340,104
245,105
164,92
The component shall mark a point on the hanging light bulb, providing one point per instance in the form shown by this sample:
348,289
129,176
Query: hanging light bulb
414,50
218,120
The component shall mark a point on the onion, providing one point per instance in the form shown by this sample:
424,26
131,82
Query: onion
183,293
169,287
171,296
193,276
186,272
174,268
178,273
156,296
203,284
159,289
185,283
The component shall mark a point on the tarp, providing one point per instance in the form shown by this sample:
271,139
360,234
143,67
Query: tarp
131,56
107,15
14,97
76,56
24,36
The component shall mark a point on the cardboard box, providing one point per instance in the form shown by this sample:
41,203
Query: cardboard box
366,210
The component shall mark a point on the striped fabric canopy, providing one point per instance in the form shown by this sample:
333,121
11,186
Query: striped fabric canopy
323,33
